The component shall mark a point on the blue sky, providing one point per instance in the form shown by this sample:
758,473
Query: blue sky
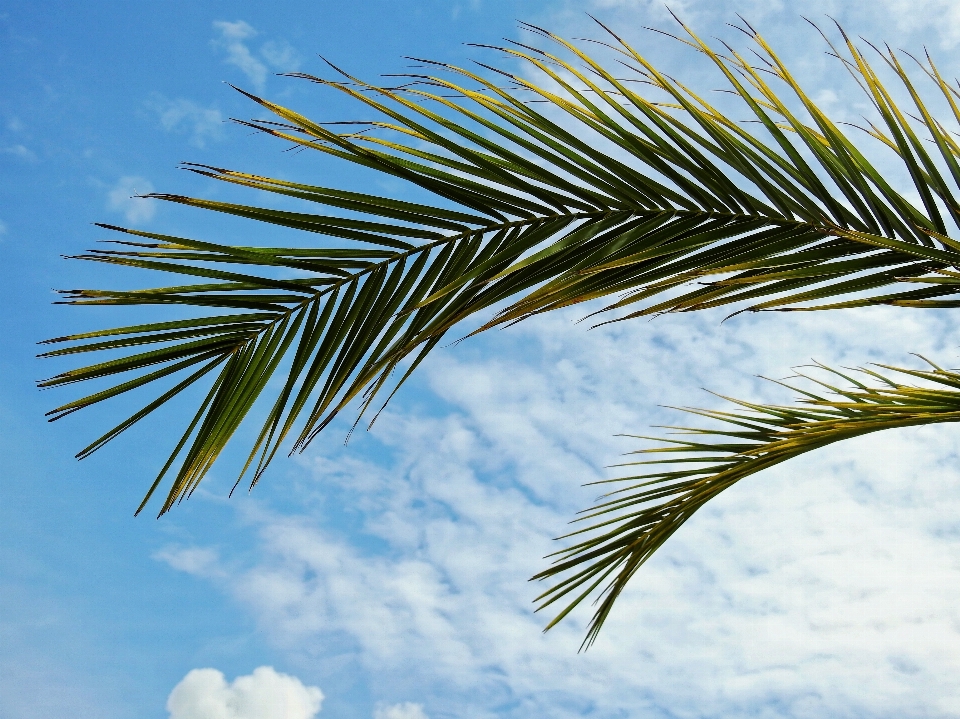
390,575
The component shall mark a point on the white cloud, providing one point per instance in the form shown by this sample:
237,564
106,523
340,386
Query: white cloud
264,694
123,198
181,115
231,40
823,588
200,561
406,710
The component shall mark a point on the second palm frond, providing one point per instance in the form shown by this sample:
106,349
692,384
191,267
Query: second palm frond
696,464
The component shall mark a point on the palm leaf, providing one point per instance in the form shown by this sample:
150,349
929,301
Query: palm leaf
567,185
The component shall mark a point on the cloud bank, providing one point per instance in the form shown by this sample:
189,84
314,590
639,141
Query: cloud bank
825,587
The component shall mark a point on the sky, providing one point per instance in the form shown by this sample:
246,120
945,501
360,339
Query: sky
387,579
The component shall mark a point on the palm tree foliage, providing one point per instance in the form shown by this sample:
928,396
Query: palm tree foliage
576,185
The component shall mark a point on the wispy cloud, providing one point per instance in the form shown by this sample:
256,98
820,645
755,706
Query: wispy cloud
264,694
203,124
233,37
123,198
937,20
473,5
281,55
20,151
199,561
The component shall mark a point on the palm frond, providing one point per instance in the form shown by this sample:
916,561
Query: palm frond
570,187
695,464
